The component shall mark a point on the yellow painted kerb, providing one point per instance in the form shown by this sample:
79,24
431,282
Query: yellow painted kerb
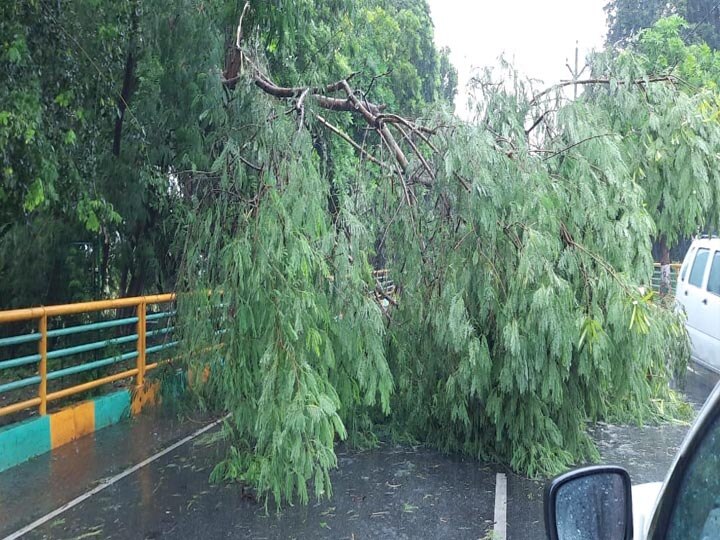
72,423
147,394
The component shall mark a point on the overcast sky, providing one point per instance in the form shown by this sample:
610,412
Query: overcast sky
538,36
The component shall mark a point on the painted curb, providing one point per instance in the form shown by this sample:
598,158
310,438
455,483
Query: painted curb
24,440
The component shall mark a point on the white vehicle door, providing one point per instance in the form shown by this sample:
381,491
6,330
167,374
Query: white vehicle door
707,322
692,296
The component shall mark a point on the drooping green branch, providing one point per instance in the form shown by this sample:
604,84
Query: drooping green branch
352,143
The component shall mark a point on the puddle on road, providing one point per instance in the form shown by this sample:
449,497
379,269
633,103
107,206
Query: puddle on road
391,492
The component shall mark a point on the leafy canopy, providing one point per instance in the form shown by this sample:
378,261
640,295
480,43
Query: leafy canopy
518,243
520,256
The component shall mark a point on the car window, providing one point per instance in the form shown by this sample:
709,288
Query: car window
698,268
713,285
686,264
696,514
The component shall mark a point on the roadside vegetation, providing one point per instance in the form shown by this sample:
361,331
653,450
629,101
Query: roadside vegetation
263,160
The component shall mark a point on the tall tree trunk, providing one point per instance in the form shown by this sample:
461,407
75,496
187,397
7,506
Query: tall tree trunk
105,264
128,82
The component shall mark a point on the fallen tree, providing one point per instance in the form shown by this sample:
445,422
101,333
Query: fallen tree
519,245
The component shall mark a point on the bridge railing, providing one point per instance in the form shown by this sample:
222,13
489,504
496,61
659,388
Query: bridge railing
45,353
657,277
54,352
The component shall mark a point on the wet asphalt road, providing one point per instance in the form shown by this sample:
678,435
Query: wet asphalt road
392,492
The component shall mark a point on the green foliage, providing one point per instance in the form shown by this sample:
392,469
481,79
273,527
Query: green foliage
626,18
670,128
663,49
300,342
56,110
521,316
521,322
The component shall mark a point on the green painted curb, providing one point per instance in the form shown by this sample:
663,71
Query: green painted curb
20,442
111,409
24,440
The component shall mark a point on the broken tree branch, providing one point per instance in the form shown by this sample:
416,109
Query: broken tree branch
257,168
354,103
573,145
372,81
355,145
463,182
537,122
419,130
239,33
585,82
416,150
300,106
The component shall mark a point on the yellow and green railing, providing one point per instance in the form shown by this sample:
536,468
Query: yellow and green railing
50,354
657,277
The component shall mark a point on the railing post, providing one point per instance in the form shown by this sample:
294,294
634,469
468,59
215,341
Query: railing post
141,329
42,350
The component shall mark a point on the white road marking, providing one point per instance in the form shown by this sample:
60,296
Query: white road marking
500,527
109,482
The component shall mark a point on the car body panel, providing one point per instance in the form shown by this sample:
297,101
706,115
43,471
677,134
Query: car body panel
702,307
644,500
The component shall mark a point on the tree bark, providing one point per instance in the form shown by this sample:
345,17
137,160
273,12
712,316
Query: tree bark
105,264
128,83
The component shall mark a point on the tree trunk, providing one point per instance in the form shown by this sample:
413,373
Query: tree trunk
128,83
663,253
105,264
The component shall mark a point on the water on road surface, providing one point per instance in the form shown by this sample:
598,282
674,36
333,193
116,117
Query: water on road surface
392,492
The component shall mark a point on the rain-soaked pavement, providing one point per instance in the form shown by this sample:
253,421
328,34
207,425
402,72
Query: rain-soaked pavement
392,492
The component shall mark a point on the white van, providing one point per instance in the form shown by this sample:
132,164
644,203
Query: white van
698,293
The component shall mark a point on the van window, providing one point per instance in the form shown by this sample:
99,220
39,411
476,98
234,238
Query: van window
714,279
698,269
686,264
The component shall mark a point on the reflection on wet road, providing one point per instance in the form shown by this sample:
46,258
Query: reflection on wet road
392,492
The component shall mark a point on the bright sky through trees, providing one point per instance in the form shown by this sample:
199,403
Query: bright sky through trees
537,36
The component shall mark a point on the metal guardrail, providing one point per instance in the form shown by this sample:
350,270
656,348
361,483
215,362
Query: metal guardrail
45,353
657,278
383,293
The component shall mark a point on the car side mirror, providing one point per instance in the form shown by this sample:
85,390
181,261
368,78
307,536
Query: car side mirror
592,503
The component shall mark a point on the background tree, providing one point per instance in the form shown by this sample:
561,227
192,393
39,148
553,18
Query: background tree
706,15
680,180
626,18
102,130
